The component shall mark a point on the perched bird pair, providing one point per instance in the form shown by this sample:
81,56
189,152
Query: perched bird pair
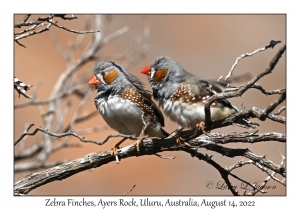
122,100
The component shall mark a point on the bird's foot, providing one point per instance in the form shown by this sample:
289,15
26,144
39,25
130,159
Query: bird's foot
178,141
137,144
179,138
200,126
116,147
115,151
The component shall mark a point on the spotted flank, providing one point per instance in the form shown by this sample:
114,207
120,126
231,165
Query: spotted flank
138,99
184,94
21,87
186,107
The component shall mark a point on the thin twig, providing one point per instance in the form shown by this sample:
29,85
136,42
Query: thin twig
168,158
239,164
24,19
70,30
241,91
129,190
28,153
273,105
22,45
248,184
271,174
145,125
63,16
82,103
21,92
247,55
22,36
69,133
258,87
222,171
93,130
51,99
283,158
29,29
261,186
283,108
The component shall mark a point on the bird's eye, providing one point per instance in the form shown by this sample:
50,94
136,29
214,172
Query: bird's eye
102,73
156,69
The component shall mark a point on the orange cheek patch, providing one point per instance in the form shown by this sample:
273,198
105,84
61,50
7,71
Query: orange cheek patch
159,75
109,77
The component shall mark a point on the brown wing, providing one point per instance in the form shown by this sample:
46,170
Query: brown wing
193,93
143,101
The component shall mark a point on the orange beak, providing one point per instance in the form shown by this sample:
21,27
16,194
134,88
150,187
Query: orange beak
146,70
94,81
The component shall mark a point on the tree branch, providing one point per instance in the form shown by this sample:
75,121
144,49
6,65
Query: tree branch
147,147
70,30
241,91
258,87
224,173
129,190
272,44
22,22
28,153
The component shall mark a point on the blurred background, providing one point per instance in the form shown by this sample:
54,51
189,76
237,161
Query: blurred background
205,45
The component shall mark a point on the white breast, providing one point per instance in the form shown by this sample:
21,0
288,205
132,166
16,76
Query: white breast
187,115
125,117
121,115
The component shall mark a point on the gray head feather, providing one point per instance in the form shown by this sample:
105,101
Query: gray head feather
175,76
123,80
